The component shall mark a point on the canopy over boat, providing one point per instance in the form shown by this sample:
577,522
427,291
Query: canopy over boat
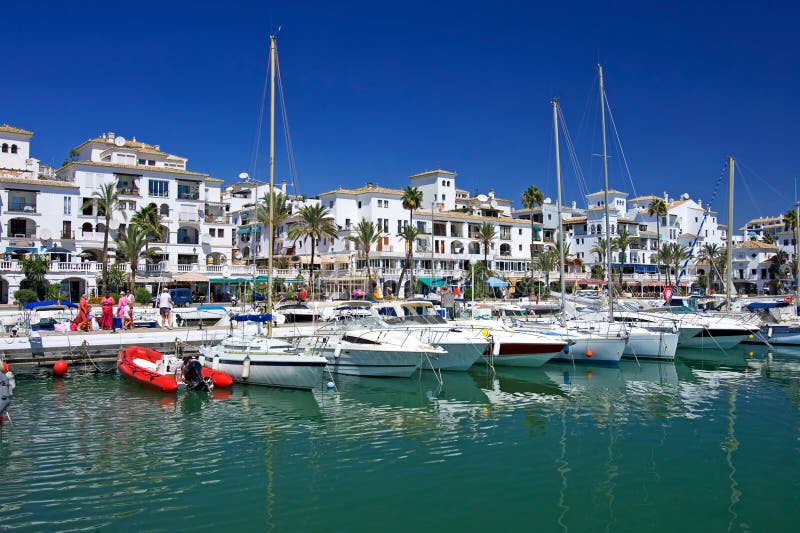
48,303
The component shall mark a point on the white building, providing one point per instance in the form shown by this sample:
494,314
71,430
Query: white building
43,211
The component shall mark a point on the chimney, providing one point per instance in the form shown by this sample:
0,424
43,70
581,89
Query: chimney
283,187
110,137
574,204
369,185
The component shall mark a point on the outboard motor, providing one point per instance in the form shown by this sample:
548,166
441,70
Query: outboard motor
193,375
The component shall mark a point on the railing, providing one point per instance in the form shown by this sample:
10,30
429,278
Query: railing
129,191
22,208
68,235
188,217
22,236
189,195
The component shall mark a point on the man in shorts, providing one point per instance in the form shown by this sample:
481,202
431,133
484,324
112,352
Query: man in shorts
165,307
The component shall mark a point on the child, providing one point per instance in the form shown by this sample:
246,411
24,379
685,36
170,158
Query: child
127,316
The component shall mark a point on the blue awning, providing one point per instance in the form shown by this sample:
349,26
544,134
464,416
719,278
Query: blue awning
246,231
496,282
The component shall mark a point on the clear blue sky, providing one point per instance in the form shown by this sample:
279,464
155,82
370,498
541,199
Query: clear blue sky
377,91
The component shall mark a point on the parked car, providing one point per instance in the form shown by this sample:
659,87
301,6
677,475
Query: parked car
181,297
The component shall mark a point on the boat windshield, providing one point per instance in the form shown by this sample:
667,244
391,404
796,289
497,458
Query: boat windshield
351,324
416,320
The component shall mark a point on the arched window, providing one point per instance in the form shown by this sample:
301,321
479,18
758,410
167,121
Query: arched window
13,148
87,226
5,148
164,210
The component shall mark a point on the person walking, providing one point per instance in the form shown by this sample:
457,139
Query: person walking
107,317
123,301
127,322
82,322
165,307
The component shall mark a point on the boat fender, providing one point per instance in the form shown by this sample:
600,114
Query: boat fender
60,367
246,367
788,298
215,362
589,353
496,348
202,359
566,349
338,350
769,333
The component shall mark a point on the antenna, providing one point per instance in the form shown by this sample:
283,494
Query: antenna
243,175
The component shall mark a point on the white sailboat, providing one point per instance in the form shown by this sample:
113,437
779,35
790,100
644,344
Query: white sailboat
258,359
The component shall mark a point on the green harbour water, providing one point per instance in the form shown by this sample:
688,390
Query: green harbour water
709,443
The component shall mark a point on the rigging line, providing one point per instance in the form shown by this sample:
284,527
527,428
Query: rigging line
619,142
257,141
747,188
287,134
573,156
762,180
700,229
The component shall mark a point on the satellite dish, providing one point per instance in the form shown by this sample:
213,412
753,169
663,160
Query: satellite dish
113,223
481,197
226,271
119,141
243,175
45,234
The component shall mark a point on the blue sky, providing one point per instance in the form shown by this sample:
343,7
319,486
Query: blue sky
377,91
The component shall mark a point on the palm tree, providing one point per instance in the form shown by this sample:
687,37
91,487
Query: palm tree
601,249
149,219
131,247
622,241
34,268
366,234
546,263
280,212
790,219
658,207
486,234
412,199
106,202
408,234
679,255
315,224
531,198
664,255
709,254
776,269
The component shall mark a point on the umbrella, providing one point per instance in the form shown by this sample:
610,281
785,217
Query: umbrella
191,277
496,282
58,250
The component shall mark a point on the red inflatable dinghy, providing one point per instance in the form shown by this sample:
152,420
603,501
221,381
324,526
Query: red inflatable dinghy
144,366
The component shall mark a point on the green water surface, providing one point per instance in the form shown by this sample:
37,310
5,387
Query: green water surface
709,443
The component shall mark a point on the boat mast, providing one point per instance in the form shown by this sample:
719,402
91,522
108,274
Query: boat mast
273,56
609,286
796,249
558,207
729,263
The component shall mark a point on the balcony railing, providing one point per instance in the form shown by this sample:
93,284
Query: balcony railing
22,207
129,191
68,235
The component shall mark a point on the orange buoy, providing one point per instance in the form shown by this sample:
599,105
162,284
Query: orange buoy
60,367
5,367
589,353
589,374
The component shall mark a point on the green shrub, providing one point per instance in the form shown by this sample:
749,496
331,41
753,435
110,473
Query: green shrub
24,296
142,295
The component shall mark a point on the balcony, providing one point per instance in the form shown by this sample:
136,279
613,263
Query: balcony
67,235
188,216
21,207
129,191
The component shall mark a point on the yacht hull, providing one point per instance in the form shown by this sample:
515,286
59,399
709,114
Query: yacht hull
652,345
353,362
285,371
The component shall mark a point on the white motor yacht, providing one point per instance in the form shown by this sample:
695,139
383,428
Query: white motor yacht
367,347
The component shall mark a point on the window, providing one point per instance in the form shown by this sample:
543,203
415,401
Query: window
212,232
386,225
67,205
220,232
158,188
347,223
5,148
142,161
359,204
330,204
443,198
13,148
520,231
88,206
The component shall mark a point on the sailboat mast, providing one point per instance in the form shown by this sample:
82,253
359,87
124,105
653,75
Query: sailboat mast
729,263
609,286
558,207
796,250
273,56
